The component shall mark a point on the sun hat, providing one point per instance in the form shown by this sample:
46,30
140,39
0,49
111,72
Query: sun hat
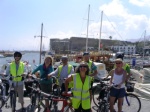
118,60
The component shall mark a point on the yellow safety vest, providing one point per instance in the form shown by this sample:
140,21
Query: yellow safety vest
14,73
90,66
81,94
69,71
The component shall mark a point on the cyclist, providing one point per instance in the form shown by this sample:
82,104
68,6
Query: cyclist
92,68
62,72
81,101
125,66
17,68
118,77
45,69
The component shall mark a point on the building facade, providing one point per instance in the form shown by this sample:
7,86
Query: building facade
128,49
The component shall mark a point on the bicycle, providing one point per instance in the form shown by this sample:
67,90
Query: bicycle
34,95
3,98
102,101
65,99
12,94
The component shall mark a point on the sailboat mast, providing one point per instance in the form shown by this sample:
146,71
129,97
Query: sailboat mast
41,43
87,28
99,45
144,45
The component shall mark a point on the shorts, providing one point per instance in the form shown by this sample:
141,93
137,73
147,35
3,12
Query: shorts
119,93
46,88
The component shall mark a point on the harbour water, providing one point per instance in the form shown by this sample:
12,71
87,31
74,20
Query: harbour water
32,58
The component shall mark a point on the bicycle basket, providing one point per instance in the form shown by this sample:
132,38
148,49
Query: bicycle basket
130,87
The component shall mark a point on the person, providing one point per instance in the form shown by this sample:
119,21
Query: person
45,83
118,77
81,100
17,68
62,72
92,68
125,66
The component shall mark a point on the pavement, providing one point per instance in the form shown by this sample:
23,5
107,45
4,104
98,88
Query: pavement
145,103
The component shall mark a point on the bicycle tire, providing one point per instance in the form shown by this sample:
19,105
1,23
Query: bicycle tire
131,103
102,108
95,94
13,102
69,109
34,99
1,103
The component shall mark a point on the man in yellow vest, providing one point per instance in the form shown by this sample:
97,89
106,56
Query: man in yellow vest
62,72
92,69
17,68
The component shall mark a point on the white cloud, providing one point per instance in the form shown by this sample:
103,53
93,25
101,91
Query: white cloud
114,8
125,24
140,3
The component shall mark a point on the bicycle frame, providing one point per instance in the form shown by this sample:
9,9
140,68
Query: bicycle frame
44,96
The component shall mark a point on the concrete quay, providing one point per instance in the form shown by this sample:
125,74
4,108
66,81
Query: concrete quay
145,103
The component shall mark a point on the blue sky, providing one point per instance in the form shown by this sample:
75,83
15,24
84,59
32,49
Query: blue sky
20,21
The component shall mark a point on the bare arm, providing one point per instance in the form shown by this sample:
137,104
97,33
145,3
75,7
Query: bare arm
94,74
69,79
112,75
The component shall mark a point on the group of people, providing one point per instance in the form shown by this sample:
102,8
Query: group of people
79,79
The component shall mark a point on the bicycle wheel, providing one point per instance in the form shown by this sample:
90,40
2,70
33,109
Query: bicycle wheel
1,103
96,97
34,99
131,103
13,102
102,108
68,109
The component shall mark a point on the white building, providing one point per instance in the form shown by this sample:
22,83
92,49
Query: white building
128,50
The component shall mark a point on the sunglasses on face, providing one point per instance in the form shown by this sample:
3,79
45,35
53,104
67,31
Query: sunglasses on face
83,66
118,62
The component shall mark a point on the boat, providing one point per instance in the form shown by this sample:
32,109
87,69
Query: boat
8,54
2,56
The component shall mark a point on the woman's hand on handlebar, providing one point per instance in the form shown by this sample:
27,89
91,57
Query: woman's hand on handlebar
49,76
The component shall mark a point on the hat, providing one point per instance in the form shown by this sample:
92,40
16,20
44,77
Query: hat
64,57
118,60
48,56
86,53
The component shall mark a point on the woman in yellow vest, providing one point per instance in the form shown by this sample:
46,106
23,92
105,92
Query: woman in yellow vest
81,100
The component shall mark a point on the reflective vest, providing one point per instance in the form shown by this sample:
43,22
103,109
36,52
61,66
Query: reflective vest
90,66
81,94
20,71
69,71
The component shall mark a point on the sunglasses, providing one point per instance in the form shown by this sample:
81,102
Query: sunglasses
83,66
118,62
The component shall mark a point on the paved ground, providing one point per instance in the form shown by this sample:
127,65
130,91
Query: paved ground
144,108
